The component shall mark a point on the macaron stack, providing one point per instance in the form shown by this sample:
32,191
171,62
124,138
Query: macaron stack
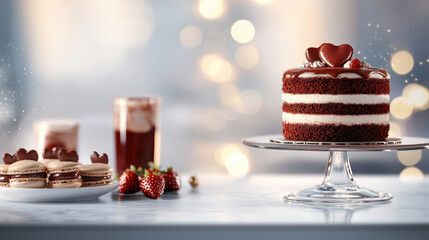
50,155
98,173
57,169
27,172
4,175
64,173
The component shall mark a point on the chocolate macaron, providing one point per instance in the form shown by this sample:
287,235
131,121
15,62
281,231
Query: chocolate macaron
98,173
49,155
4,175
64,173
27,172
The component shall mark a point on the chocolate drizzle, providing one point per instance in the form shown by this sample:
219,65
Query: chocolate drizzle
335,71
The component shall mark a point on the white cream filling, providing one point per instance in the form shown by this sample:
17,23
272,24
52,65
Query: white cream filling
310,74
342,75
335,119
344,98
378,76
348,75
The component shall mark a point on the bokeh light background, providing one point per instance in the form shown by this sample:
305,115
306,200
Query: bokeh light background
218,66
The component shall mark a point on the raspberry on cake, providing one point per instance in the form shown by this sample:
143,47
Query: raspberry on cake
333,99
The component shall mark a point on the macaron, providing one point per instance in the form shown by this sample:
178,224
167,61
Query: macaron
64,173
4,177
4,168
49,155
98,173
27,172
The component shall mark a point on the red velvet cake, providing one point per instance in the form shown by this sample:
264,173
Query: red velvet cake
332,98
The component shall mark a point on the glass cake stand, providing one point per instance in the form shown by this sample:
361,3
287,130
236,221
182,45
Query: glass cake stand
338,185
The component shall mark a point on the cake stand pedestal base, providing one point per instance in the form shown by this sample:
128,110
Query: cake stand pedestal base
338,185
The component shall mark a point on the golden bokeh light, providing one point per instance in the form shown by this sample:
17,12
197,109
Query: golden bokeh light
237,164
226,149
395,130
227,90
216,68
251,102
402,62
234,158
191,36
214,119
409,158
411,173
243,31
263,2
401,108
417,94
234,101
247,56
211,9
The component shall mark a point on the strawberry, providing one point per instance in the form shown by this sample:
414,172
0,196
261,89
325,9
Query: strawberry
172,180
355,63
152,185
153,169
129,181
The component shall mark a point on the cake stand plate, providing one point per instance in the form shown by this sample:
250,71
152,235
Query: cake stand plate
338,186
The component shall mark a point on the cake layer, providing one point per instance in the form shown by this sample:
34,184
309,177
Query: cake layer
327,98
335,133
320,85
335,119
337,108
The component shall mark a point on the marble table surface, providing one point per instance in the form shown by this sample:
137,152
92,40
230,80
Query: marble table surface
247,208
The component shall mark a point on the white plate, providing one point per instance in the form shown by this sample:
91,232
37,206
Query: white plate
55,195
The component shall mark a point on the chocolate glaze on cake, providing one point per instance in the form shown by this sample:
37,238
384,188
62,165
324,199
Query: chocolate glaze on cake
319,85
334,72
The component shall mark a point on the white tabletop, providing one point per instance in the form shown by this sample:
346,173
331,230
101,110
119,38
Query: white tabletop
225,205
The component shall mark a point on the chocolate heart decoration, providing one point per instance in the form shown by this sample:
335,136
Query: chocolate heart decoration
9,159
95,158
51,153
335,56
32,155
312,54
22,154
66,156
